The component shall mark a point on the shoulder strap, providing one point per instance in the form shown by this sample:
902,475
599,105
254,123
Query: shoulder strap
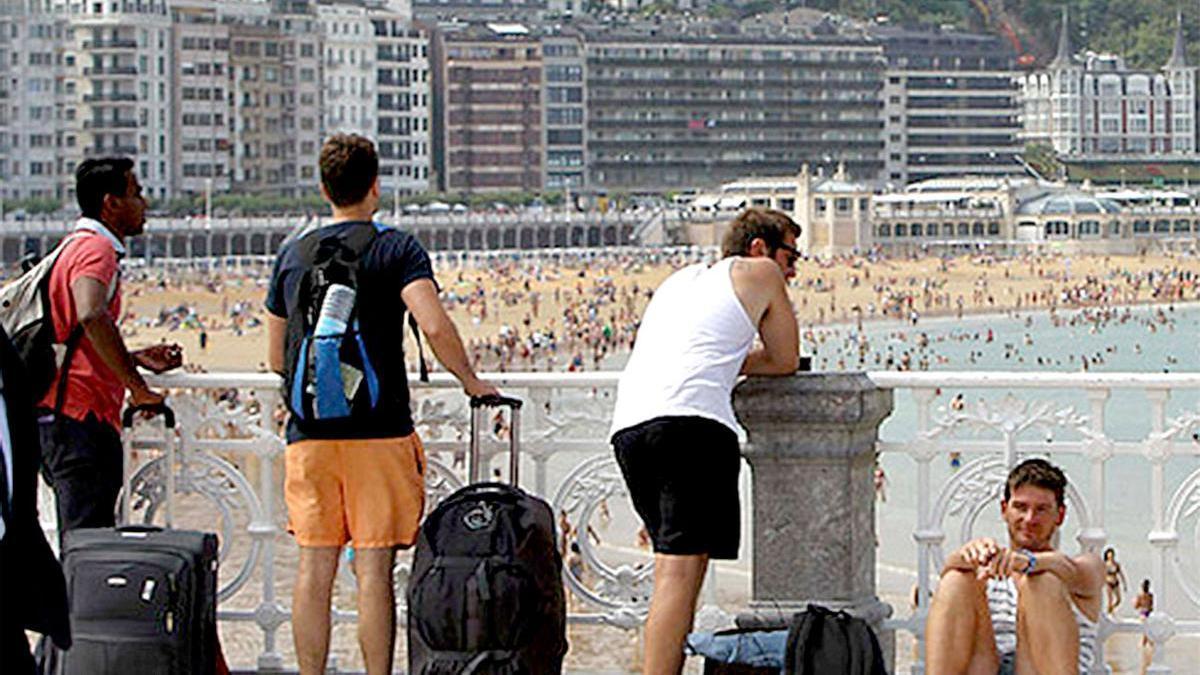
73,338
797,654
416,331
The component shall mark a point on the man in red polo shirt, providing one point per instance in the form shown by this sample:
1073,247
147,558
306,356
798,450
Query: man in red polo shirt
81,443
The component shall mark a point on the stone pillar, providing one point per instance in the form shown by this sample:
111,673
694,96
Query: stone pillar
811,451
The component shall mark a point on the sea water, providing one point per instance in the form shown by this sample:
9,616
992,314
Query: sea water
1148,340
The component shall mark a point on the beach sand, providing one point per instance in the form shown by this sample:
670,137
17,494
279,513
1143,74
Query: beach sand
821,293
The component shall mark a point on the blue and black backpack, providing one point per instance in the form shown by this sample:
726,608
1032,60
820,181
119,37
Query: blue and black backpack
328,376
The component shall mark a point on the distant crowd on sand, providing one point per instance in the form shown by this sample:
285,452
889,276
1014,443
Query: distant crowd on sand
576,310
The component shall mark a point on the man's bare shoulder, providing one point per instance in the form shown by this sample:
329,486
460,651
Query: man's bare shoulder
759,270
1090,564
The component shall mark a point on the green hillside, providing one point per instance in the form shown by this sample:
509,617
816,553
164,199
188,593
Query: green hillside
1141,30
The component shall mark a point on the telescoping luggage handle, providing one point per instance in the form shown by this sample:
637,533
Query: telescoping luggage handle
127,419
474,458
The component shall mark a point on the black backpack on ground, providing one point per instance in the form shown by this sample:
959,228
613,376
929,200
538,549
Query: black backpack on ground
486,593
821,642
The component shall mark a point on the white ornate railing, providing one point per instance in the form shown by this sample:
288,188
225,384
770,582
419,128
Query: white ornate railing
1006,416
229,480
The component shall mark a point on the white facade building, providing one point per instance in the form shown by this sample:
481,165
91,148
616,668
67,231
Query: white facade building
404,87
1098,108
349,73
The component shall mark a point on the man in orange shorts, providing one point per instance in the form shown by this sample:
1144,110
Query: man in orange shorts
358,475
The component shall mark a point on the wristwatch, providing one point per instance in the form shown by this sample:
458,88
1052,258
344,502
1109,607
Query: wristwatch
1030,557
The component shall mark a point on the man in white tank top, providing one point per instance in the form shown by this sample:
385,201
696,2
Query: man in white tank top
1027,608
674,431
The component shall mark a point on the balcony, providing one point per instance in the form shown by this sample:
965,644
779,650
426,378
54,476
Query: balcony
626,99
119,43
110,151
808,83
110,98
392,57
110,124
111,70
229,478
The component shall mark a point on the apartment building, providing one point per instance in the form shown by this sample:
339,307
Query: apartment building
695,103
349,69
204,143
951,104
209,96
488,130
32,74
565,103
403,98
1097,108
123,48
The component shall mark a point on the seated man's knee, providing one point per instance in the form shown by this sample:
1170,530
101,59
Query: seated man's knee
958,584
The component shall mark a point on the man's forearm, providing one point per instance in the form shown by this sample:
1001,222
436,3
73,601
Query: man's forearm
102,332
448,348
957,561
1061,566
759,362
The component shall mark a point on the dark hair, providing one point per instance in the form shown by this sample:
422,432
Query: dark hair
349,166
757,223
95,178
1039,473
1108,551
1146,585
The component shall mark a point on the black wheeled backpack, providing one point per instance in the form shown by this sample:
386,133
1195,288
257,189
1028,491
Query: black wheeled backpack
821,641
486,592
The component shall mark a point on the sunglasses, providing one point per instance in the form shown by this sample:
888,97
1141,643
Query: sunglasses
793,254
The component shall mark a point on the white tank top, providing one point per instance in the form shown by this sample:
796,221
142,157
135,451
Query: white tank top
1002,605
689,350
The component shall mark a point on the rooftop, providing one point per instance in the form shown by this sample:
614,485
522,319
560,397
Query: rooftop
1067,203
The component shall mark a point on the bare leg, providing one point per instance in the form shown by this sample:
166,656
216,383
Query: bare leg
677,580
1047,635
310,606
376,607
958,633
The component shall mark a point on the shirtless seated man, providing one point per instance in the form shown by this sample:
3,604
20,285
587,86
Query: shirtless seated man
1025,608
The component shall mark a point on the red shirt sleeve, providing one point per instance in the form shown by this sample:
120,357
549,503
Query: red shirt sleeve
92,257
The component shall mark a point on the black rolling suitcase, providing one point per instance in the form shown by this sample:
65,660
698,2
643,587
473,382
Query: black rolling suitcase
143,599
486,593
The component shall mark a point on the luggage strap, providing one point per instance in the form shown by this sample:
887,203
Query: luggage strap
474,659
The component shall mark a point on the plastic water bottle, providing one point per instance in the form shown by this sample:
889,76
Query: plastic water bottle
335,311
331,325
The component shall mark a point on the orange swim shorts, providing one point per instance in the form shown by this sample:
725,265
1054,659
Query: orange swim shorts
369,491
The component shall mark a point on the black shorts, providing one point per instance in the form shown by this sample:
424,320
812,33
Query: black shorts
682,474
